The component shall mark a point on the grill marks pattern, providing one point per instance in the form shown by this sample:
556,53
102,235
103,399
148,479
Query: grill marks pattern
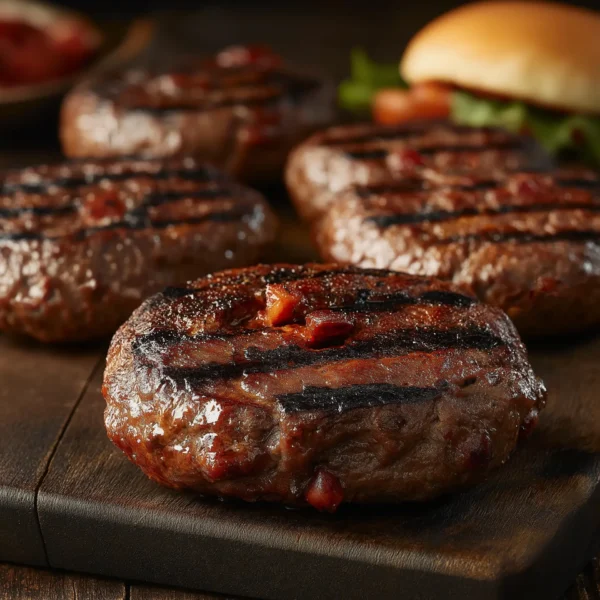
376,144
256,88
388,215
438,216
213,188
200,174
356,396
394,343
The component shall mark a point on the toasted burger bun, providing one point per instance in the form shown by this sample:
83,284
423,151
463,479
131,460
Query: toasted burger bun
544,53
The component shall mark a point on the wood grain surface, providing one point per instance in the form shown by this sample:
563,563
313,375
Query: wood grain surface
40,388
26,583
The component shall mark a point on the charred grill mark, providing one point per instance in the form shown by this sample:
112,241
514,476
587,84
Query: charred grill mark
509,144
266,100
376,154
380,153
152,199
395,343
447,298
404,186
364,301
210,193
40,211
390,134
279,86
355,396
437,216
588,184
524,237
143,221
399,133
420,185
42,187
134,222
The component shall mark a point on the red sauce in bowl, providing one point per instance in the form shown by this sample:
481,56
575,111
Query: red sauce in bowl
30,54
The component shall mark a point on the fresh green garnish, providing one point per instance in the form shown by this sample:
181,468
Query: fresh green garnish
366,77
557,132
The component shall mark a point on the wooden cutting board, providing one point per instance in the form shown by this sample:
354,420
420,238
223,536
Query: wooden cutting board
70,500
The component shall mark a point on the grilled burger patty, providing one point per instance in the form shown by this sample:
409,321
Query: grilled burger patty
242,111
318,384
526,242
82,244
368,154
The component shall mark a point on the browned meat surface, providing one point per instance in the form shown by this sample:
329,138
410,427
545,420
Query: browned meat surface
370,154
82,244
526,242
243,111
318,384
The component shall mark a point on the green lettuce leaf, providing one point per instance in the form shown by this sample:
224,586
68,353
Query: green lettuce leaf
366,77
557,132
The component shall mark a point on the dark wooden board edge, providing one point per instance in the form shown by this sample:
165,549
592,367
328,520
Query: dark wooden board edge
151,534
20,537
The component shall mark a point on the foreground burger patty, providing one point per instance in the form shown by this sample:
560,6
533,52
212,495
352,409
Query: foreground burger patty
242,111
318,384
528,242
82,244
333,159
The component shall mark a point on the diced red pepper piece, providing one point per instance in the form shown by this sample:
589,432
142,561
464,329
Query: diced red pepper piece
280,305
324,492
324,327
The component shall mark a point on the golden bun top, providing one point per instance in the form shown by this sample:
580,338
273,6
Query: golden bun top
541,52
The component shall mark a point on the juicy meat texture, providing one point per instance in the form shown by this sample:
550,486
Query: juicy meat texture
83,243
317,385
527,242
242,110
370,154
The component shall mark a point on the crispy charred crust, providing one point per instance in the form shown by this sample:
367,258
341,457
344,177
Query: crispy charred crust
529,243
408,158
316,384
83,243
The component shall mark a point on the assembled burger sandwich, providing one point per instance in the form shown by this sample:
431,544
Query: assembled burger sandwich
524,66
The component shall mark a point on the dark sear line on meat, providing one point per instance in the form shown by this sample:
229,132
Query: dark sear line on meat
408,186
391,134
144,222
42,187
380,153
356,396
376,154
436,216
393,343
591,184
522,237
243,85
138,221
151,199
40,211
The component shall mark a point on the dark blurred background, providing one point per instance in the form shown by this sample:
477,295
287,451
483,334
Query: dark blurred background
317,33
